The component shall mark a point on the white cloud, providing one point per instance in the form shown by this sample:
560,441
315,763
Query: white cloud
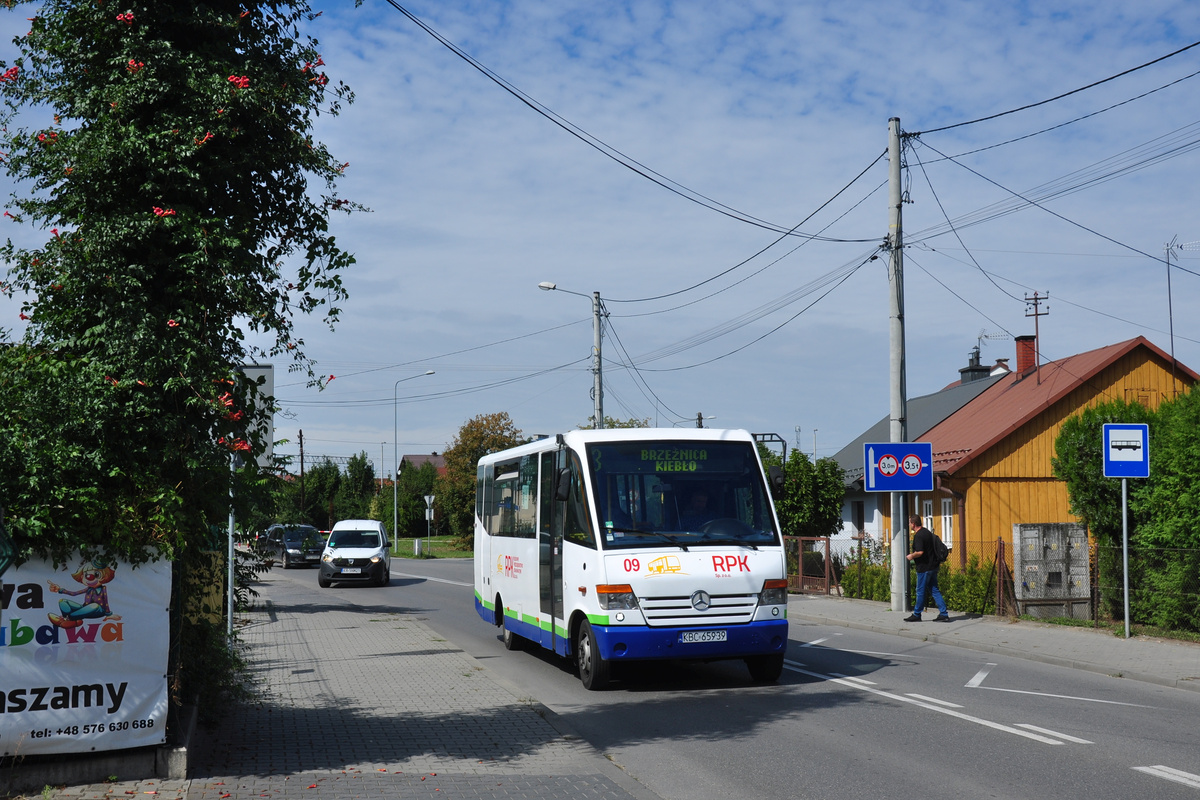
770,108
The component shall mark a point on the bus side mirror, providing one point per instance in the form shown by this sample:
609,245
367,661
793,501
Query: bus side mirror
776,473
562,487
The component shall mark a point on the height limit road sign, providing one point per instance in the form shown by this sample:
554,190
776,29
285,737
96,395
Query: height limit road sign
898,466
1126,450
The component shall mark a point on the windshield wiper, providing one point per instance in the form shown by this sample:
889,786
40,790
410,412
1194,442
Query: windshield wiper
751,545
658,534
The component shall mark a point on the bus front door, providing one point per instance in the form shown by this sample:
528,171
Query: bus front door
550,536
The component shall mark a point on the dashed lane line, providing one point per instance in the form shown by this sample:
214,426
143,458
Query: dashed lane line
1037,737
945,703
1167,773
1049,732
977,683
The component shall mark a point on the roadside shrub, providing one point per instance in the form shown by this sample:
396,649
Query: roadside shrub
971,589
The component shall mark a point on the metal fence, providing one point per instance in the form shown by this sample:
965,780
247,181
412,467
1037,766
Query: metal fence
1164,586
1041,580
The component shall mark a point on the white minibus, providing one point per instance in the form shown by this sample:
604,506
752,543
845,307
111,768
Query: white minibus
630,544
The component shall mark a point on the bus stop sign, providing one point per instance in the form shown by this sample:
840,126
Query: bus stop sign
1126,450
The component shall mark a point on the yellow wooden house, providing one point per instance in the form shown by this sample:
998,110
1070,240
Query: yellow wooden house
992,456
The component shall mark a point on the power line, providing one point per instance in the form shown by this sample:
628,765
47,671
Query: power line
942,208
1077,119
772,244
602,147
1036,204
1061,96
420,398
425,361
777,328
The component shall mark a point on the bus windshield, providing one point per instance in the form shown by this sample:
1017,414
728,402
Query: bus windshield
680,494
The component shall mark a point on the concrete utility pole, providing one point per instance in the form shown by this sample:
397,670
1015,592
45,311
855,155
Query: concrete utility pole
597,382
1036,301
899,392
597,363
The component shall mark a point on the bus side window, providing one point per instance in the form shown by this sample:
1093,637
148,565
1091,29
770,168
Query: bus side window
546,493
480,505
577,521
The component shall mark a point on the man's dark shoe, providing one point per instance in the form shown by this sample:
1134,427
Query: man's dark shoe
913,618
942,618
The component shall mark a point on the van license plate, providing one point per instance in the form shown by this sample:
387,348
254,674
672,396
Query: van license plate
351,570
702,636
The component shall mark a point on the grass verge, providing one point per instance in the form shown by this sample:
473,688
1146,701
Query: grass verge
431,547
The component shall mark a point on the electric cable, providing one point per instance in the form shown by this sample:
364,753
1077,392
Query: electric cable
1055,214
431,359
1061,96
778,327
747,260
961,299
1076,119
599,145
957,236
419,398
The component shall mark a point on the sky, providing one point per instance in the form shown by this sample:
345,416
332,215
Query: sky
743,121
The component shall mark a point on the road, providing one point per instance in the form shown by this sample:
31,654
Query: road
855,715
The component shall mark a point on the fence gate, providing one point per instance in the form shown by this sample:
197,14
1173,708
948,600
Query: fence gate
808,565
1050,570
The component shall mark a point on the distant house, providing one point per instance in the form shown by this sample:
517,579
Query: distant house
420,460
992,435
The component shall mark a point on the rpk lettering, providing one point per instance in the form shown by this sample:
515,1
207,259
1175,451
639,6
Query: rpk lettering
731,563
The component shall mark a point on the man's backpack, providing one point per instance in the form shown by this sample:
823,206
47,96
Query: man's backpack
940,551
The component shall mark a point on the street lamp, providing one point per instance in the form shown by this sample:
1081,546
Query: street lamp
396,446
597,377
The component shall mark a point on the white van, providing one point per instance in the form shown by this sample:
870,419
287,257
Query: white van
358,550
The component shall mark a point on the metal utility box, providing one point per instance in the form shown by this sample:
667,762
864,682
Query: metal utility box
1050,570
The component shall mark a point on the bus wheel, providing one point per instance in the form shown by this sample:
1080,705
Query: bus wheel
511,640
765,669
593,670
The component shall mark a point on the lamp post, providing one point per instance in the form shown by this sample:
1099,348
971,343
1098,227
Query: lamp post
396,448
597,379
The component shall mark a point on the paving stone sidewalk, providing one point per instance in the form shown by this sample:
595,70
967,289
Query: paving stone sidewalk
356,701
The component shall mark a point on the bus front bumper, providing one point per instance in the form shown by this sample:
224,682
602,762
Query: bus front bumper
627,643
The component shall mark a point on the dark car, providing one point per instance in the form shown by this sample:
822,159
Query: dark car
293,545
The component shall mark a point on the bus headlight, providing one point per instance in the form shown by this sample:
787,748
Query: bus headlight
616,596
774,592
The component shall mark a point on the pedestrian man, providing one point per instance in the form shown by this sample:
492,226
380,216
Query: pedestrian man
922,556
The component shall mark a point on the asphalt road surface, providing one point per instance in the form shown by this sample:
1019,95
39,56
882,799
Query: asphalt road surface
855,715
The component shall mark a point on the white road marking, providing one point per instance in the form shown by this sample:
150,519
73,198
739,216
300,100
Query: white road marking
854,678
932,707
979,676
427,578
977,683
1159,771
945,703
815,641
1049,732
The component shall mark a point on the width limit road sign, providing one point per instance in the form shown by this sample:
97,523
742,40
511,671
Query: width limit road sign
898,466
1126,450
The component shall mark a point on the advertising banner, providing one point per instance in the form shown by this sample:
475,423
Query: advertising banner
83,656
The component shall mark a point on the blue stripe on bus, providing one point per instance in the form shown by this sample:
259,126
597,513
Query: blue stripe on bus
636,643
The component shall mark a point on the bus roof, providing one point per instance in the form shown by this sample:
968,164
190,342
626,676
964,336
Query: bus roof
578,438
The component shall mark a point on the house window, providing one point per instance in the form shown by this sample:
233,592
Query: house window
927,513
948,521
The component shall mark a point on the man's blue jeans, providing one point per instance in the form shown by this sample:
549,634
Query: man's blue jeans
926,584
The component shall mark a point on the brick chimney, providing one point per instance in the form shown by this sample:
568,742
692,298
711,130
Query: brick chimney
1026,354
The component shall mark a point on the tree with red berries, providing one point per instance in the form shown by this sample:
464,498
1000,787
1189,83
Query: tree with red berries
167,175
